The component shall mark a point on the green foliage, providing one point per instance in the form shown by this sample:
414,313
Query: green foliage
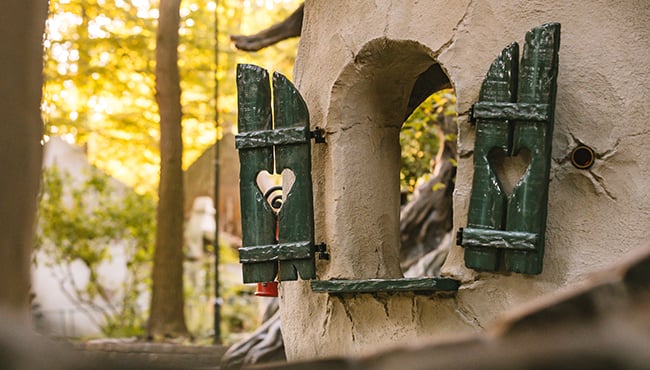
421,136
100,91
239,311
100,85
80,221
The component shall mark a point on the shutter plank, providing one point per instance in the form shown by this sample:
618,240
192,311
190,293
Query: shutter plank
258,221
488,200
528,202
296,217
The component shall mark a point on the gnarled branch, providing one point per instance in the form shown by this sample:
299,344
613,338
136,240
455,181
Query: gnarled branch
288,28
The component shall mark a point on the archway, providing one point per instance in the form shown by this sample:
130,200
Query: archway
370,100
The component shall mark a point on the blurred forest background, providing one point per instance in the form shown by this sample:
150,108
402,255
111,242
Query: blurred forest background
99,72
99,94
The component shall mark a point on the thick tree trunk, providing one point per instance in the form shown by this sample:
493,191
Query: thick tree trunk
21,80
166,313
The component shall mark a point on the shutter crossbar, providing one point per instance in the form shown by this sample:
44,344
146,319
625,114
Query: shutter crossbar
268,138
512,240
275,252
510,111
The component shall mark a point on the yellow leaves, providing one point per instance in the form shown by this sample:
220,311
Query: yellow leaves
100,85
438,186
143,102
420,135
439,102
219,132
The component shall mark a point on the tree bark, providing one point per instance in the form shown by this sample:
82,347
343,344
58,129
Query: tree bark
264,345
288,28
166,311
21,80
427,219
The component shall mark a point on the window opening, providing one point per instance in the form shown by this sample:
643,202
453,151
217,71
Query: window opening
428,147
426,150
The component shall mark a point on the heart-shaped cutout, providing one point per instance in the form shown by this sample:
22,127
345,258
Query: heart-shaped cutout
275,187
509,169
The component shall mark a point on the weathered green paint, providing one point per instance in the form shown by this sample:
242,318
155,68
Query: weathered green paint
488,200
280,252
385,285
515,240
292,255
260,139
258,220
537,85
296,217
510,111
514,114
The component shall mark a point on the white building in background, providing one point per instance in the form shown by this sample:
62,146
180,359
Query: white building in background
200,227
56,313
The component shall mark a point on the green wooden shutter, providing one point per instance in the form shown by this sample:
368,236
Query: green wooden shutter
263,257
515,112
296,217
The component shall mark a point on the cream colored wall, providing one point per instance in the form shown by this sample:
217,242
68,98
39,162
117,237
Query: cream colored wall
356,64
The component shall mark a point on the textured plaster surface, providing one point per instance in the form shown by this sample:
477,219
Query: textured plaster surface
356,65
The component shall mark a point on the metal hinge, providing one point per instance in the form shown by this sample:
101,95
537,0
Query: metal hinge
321,249
318,134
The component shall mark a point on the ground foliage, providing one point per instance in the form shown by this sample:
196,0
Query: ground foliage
86,221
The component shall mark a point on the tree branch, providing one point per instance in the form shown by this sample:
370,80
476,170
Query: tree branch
288,28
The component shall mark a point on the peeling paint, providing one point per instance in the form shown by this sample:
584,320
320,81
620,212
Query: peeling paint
346,308
452,39
467,316
600,185
415,317
384,302
328,315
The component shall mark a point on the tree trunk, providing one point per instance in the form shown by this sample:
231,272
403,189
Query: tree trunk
427,219
21,81
166,313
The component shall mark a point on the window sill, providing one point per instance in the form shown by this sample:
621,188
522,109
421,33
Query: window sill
419,285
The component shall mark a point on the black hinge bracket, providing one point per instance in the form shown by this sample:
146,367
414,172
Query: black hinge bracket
318,134
321,249
471,117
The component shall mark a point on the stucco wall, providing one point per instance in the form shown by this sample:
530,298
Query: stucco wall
356,64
